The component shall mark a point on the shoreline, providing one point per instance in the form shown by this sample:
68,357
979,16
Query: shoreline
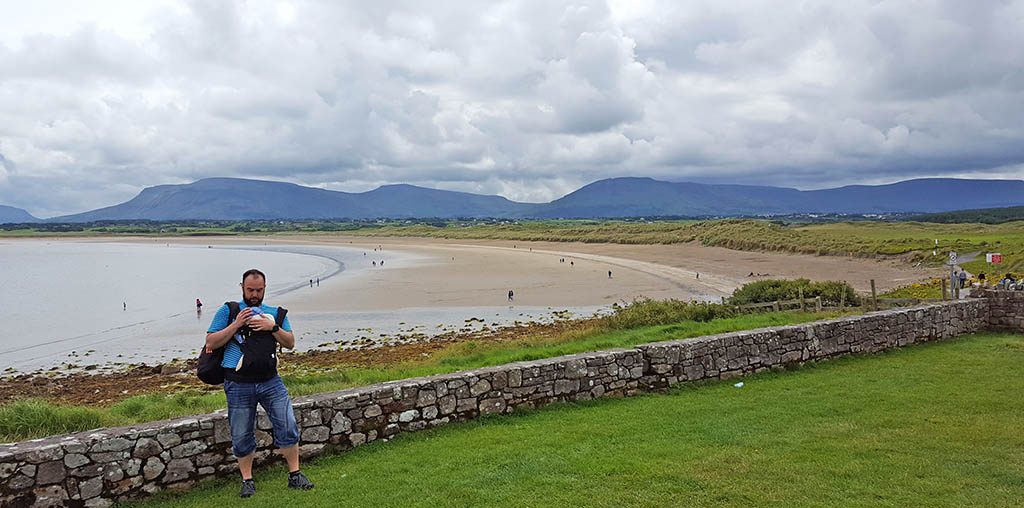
466,281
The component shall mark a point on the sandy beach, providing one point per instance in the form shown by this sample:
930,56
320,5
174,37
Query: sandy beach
425,288
479,273
448,289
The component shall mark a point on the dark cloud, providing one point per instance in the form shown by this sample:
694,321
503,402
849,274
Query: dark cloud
526,99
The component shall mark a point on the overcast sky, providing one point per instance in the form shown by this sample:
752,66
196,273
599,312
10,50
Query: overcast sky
529,100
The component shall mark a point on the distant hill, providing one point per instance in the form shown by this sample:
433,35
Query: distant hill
12,215
240,199
983,216
618,197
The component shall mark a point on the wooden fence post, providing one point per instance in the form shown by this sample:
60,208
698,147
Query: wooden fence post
803,307
842,300
943,288
874,296
817,303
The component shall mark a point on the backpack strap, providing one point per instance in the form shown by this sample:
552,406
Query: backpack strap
281,313
233,310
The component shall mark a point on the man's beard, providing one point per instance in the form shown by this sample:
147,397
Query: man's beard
253,302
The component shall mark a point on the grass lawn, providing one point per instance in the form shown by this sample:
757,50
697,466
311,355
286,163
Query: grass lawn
932,425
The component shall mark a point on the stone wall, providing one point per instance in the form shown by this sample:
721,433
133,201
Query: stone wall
96,468
1006,308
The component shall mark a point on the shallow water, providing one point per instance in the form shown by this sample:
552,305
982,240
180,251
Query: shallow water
89,303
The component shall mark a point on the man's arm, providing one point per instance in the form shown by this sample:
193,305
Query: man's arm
285,338
217,339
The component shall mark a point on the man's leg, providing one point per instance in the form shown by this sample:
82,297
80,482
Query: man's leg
275,401
291,456
242,422
245,466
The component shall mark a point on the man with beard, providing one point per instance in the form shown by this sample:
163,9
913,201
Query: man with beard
250,332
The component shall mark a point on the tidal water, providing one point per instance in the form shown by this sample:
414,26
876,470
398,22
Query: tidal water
71,305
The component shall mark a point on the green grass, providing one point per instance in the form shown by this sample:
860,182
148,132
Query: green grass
31,419
936,425
27,417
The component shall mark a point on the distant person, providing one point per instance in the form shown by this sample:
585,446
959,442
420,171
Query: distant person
310,282
199,305
981,279
963,278
511,295
374,263
124,305
251,378
382,262
698,275
609,274
318,282
571,263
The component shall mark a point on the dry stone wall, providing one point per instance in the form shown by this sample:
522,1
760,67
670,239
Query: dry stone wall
1006,308
96,468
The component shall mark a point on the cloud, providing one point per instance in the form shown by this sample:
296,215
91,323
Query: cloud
526,99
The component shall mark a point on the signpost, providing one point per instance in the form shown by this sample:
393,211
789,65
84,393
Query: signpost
994,257
953,280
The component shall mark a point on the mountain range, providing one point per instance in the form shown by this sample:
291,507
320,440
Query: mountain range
241,199
10,214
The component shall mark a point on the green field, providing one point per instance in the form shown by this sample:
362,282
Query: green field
936,425
30,419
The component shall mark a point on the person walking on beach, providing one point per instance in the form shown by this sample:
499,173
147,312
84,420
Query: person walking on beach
250,340
199,305
510,295
609,274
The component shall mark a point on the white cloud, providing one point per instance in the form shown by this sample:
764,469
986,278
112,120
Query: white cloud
526,99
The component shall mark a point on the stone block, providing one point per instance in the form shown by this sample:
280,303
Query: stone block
493,406
51,495
116,444
446,405
168,440
146,448
221,431
178,470
317,434
73,460
90,488
340,424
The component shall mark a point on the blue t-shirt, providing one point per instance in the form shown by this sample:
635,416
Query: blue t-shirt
233,352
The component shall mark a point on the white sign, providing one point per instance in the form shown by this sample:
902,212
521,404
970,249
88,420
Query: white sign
952,258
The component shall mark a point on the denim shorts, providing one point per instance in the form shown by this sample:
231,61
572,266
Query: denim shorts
242,400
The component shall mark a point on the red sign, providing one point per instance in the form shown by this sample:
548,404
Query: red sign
994,258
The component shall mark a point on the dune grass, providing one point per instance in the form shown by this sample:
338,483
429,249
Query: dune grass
934,425
35,418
